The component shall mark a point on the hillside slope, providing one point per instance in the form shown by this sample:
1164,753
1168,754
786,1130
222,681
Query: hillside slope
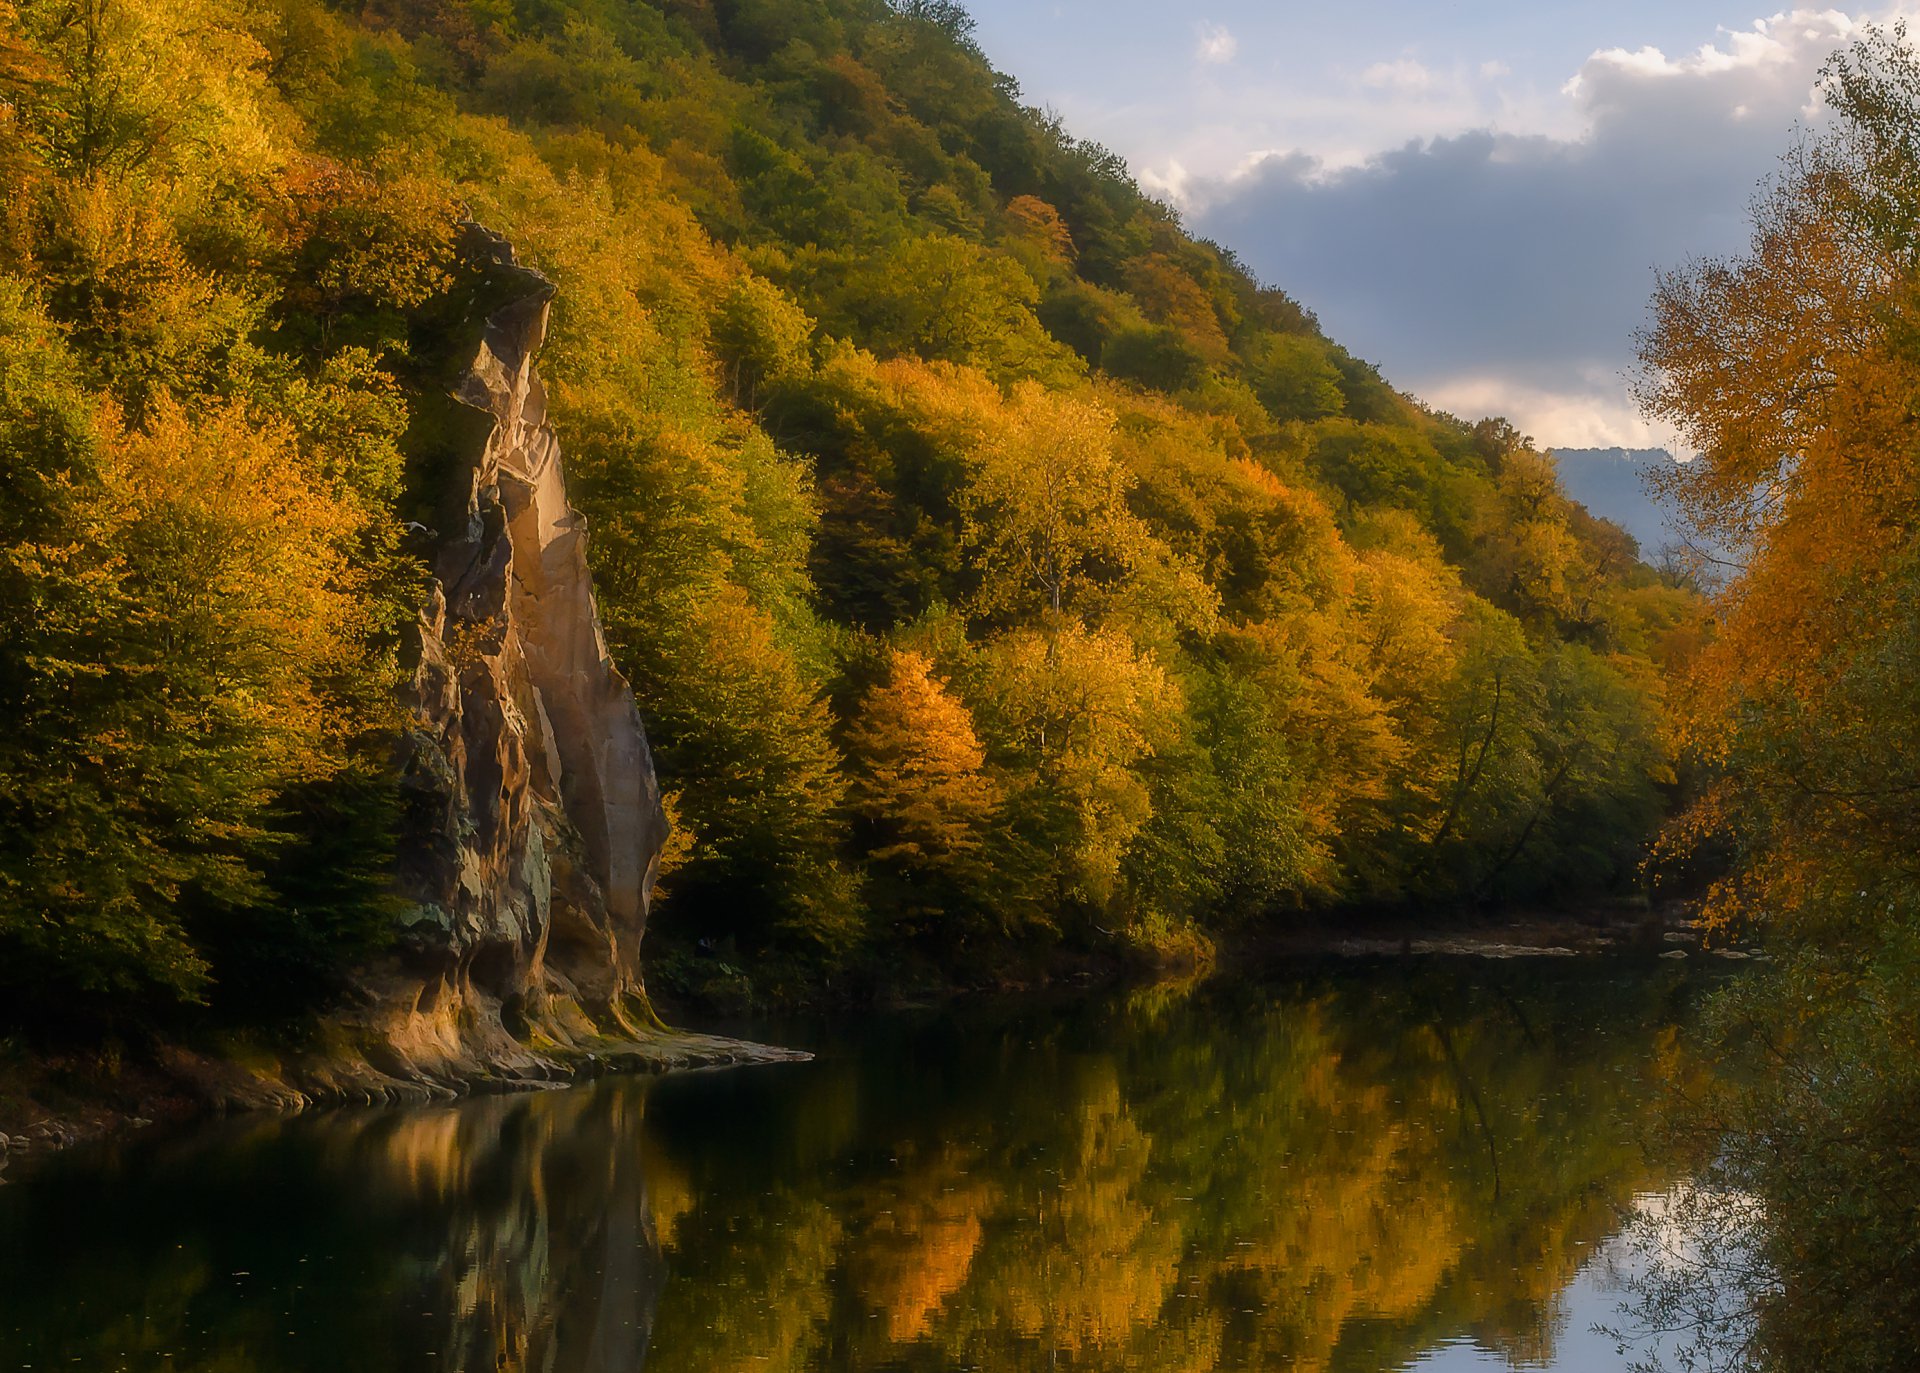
993,563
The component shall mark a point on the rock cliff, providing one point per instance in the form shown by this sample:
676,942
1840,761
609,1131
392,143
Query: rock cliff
534,816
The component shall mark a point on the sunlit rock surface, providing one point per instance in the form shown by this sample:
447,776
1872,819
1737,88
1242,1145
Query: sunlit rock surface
535,814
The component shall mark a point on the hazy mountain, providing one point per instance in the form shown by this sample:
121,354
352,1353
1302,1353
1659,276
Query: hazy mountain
1612,483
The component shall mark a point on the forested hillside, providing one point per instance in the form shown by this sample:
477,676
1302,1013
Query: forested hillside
994,563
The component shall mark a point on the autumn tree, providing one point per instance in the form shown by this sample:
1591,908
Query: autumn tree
1047,517
1037,228
1077,710
920,789
128,87
1792,368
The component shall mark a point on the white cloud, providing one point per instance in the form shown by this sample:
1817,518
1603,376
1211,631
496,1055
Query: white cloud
1225,124
1749,56
1404,75
1592,411
1217,44
1169,182
1501,263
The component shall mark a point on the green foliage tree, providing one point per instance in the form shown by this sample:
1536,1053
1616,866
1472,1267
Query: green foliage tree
761,783
759,336
1076,710
183,605
1295,379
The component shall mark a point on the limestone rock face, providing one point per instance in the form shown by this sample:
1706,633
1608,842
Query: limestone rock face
535,820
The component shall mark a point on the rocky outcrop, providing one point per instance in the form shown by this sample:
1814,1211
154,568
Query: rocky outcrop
534,815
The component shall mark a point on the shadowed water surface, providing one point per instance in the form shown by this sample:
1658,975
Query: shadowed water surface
1384,1166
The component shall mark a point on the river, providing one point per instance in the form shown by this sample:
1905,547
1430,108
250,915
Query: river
1395,1164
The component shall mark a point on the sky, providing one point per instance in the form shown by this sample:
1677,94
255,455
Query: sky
1476,195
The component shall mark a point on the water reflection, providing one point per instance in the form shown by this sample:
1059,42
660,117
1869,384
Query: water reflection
504,1233
1353,1170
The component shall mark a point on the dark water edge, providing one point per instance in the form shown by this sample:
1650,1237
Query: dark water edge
1357,1165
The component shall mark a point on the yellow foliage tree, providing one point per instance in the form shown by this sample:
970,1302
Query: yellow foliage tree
1046,514
1081,708
140,84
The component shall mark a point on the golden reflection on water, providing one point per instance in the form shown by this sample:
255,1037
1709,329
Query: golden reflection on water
1332,1173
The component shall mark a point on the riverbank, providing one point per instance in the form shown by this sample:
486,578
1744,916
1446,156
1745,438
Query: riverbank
1670,929
51,1101
690,986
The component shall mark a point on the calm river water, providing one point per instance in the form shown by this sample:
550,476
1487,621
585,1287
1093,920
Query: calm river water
1398,1165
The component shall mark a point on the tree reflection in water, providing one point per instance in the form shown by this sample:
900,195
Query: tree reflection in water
1334,1171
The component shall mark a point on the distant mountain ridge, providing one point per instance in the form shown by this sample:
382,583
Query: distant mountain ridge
1612,483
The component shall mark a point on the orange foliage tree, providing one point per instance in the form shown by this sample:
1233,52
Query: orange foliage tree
1794,370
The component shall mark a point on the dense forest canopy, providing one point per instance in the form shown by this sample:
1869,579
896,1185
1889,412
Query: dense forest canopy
995,563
